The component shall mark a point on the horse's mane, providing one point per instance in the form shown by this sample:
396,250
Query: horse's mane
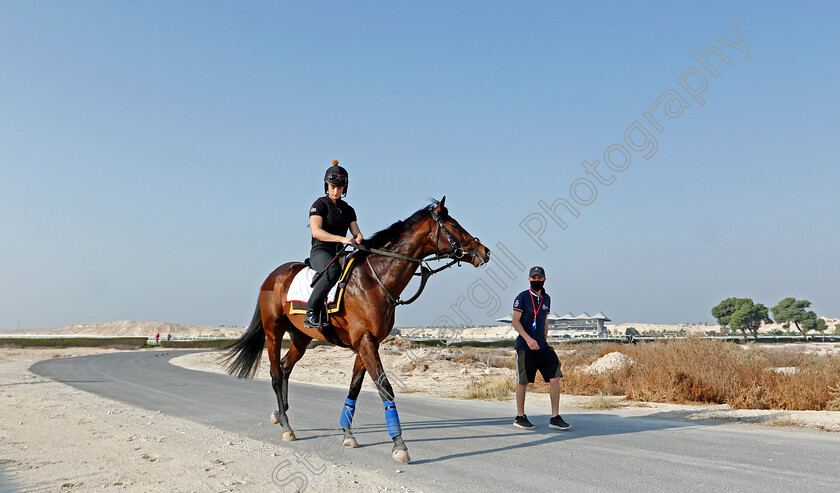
393,232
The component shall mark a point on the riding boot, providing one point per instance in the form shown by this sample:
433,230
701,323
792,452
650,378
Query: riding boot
313,319
315,309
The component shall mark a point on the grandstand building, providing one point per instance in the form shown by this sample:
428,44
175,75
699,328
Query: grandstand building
569,326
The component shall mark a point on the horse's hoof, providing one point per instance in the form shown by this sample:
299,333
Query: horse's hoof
289,436
351,443
401,455
274,419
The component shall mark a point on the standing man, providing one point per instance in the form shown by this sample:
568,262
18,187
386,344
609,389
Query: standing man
530,311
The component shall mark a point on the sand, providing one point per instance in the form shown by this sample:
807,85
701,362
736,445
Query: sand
56,438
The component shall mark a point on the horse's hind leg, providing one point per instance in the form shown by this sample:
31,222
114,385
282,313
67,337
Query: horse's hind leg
279,374
280,377
346,421
369,352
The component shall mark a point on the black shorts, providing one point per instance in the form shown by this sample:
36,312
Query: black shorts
529,361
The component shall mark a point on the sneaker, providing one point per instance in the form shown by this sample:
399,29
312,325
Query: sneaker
557,422
522,422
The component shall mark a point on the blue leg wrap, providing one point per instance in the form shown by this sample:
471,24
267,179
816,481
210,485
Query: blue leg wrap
347,413
392,419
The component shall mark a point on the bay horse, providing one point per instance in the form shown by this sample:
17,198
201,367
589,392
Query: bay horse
385,264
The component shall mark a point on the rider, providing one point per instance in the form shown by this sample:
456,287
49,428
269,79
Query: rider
329,218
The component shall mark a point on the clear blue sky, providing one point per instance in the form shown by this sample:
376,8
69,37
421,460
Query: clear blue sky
158,159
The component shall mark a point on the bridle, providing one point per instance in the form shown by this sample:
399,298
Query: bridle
457,252
456,255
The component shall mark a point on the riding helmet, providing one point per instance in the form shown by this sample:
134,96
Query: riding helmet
337,176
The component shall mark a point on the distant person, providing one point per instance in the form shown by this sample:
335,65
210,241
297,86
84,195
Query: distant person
157,338
168,337
530,311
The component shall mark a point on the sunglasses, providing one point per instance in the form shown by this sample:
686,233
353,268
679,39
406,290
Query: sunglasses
335,177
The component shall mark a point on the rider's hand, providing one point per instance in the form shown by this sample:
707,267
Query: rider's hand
532,343
350,241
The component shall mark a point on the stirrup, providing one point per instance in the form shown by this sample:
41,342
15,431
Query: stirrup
311,320
315,320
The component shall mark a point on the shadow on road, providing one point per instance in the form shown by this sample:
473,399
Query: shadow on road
467,434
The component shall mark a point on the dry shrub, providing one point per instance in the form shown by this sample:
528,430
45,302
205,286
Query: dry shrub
696,370
807,389
496,388
834,404
779,357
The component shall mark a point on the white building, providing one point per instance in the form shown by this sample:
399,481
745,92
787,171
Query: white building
569,326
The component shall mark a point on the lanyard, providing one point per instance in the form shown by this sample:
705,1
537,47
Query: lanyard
536,310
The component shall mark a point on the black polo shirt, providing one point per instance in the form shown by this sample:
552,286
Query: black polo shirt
336,218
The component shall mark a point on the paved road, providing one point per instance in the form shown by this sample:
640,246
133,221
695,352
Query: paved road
459,445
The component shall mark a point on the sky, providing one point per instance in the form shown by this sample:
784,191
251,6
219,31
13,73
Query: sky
158,159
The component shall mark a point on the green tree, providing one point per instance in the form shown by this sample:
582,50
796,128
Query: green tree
792,310
748,317
837,329
724,310
631,331
821,326
741,314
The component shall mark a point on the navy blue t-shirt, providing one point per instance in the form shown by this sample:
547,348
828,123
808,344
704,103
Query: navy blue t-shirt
526,302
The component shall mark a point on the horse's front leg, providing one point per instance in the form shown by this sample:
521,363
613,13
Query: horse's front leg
346,420
369,353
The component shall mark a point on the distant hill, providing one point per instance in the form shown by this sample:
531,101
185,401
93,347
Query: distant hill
146,329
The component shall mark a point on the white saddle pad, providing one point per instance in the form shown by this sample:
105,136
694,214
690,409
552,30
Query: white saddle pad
300,290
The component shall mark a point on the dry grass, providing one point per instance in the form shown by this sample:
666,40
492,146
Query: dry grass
497,388
784,420
698,370
599,402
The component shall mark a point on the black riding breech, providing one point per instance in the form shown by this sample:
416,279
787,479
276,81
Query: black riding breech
318,259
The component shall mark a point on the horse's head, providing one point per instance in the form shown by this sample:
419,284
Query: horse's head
452,241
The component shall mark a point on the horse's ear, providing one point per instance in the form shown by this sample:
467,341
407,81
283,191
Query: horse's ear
440,204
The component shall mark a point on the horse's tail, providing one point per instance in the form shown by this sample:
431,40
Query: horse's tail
247,350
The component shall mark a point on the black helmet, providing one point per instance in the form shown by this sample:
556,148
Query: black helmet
337,176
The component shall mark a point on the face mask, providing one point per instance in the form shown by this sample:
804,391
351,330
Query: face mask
537,285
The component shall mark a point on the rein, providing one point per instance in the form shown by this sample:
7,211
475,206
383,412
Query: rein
425,272
456,255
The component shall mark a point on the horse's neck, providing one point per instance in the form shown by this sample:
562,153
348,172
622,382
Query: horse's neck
396,273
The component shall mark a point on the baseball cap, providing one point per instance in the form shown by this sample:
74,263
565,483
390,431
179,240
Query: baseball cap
536,270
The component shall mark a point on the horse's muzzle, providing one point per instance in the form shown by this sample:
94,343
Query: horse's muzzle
481,256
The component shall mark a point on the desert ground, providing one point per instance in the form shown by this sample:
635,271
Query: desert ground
57,438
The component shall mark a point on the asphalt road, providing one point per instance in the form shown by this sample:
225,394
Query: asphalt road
471,445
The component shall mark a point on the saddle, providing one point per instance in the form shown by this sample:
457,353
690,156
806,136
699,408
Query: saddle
301,287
